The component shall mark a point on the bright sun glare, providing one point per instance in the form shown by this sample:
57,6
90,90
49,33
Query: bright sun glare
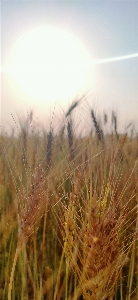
49,64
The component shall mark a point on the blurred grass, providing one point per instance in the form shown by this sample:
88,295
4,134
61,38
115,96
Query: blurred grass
72,203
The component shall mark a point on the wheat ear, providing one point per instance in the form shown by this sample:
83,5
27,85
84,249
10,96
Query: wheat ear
28,216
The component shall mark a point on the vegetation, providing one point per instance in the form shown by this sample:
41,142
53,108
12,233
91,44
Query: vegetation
69,211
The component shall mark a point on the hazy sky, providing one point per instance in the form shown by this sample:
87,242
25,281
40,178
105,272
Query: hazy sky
105,28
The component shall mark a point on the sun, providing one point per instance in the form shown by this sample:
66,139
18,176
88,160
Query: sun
48,64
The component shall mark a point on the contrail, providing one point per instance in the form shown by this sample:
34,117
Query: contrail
112,59
8,69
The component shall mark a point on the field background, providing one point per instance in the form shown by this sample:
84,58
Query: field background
68,210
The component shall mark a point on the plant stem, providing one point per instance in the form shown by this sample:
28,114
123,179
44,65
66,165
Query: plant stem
18,249
67,274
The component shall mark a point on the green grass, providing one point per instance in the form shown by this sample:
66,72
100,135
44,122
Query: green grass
68,212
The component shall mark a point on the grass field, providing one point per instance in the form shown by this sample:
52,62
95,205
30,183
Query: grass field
69,211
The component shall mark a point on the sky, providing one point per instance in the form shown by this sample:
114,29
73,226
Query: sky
103,29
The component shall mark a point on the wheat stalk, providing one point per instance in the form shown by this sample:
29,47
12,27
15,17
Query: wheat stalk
28,214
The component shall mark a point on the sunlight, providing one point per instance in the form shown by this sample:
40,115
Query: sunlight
48,64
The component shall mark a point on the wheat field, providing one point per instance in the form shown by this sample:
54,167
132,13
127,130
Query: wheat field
69,211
